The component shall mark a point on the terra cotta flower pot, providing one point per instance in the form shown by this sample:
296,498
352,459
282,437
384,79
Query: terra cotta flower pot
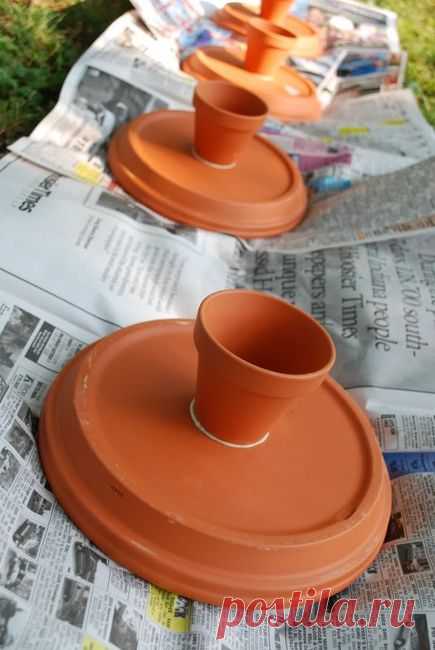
257,356
182,164
268,46
275,10
236,16
226,118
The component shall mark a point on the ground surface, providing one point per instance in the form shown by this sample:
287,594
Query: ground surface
41,39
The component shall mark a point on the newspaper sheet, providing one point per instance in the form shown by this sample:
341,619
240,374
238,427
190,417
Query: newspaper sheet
152,271
403,202
79,259
127,71
378,71
345,23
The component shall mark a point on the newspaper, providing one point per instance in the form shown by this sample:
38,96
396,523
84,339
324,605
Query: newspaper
119,255
80,259
124,73
359,74
395,204
363,137
345,23
168,19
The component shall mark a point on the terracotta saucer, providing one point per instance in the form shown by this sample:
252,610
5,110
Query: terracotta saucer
235,17
262,195
289,96
200,518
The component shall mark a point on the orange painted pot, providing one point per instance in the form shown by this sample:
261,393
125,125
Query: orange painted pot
192,512
208,169
268,47
244,386
288,95
226,119
235,16
275,11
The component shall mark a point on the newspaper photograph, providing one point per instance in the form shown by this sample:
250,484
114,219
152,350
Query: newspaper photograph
344,23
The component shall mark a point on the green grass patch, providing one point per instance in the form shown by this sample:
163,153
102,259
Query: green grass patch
34,55
38,46
417,36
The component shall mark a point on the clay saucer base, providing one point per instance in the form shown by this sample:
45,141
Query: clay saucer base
152,158
289,96
307,508
235,16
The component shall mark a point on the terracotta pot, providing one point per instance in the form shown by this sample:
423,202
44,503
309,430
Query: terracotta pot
236,16
268,47
226,118
275,10
257,356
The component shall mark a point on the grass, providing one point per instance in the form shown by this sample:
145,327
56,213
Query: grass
40,40
417,36
38,45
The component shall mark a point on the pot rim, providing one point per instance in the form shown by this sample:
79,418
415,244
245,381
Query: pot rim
202,87
283,37
273,374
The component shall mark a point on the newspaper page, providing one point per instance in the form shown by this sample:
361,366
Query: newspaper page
124,73
169,19
396,204
105,250
330,165
388,122
367,136
385,127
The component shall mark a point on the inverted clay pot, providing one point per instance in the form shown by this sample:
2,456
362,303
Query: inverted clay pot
305,507
236,17
244,386
226,119
208,169
288,95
